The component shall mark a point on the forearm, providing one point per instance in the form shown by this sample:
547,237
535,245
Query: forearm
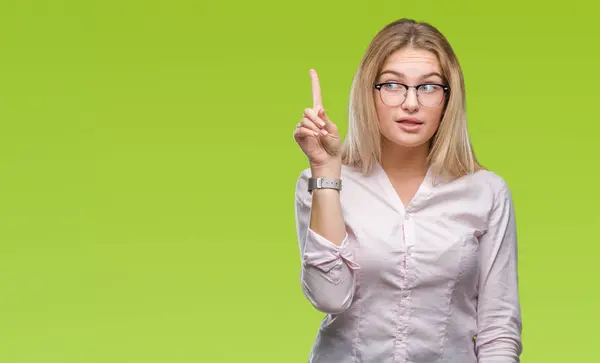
327,275
326,217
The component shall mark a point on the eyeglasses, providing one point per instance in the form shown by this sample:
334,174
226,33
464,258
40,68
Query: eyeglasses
393,94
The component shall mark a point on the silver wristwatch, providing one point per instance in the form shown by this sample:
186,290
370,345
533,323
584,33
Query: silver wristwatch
324,183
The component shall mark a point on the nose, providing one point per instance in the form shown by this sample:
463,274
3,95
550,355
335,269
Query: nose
411,103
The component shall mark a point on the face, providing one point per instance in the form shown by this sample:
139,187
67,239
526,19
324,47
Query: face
411,121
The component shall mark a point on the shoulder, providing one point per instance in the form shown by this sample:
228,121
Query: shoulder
479,183
491,180
495,186
482,190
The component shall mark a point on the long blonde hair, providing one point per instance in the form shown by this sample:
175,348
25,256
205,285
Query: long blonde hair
451,152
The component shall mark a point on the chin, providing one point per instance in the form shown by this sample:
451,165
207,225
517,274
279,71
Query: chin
408,140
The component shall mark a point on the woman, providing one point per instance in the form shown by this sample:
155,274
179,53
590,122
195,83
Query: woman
407,243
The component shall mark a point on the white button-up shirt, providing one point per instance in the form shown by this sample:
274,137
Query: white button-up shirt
435,282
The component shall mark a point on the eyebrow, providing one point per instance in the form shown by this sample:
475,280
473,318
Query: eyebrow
401,75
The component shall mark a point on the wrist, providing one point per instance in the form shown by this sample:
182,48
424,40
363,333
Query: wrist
331,170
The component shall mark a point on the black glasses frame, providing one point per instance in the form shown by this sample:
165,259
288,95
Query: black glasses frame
416,87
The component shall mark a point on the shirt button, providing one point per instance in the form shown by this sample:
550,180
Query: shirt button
407,216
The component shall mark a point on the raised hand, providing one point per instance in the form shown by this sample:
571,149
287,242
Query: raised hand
316,135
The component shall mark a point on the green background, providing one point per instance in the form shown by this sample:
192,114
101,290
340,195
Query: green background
148,168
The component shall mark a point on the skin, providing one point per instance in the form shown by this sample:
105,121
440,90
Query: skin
404,152
319,139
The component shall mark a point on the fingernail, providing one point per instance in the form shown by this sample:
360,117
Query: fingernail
324,132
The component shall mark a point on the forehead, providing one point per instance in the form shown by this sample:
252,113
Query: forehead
412,62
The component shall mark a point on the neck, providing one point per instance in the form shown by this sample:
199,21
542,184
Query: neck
404,161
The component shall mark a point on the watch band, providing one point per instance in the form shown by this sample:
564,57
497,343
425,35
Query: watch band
324,183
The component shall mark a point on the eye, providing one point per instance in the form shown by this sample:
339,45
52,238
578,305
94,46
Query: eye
391,86
430,88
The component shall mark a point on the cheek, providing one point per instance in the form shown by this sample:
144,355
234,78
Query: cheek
383,112
434,116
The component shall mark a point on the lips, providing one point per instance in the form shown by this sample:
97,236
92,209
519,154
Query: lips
410,121
410,124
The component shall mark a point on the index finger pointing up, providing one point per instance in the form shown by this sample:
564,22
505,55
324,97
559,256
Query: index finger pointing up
316,90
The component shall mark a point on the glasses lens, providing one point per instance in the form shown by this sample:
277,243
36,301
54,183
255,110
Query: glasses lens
430,95
393,94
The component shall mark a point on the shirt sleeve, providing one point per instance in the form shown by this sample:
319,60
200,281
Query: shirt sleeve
498,312
327,271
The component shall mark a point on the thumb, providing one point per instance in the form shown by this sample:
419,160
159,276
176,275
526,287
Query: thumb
322,114
329,126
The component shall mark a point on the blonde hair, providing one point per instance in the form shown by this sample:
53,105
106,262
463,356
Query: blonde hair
451,152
